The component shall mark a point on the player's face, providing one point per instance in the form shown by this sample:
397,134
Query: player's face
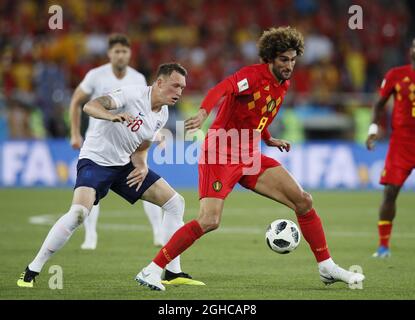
283,65
119,56
171,87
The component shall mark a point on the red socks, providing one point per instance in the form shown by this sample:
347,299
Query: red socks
310,225
179,242
385,230
312,230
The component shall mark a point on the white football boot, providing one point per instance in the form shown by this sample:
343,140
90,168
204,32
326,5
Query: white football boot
150,280
335,273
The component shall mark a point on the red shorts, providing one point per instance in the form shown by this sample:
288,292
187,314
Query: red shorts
399,163
218,180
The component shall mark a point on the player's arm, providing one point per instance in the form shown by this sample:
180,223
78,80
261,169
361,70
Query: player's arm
377,111
100,108
139,161
274,142
387,88
209,102
79,97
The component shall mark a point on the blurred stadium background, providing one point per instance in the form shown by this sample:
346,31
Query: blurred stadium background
333,87
326,115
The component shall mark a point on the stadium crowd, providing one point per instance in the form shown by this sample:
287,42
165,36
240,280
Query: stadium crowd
40,68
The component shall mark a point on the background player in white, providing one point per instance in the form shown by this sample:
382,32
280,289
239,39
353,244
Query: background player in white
114,156
97,82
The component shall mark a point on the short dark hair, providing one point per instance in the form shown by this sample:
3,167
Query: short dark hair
167,69
118,38
278,40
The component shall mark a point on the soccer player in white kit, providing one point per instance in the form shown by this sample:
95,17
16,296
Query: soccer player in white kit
114,156
97,82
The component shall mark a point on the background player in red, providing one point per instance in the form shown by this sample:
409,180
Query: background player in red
251,99
400,160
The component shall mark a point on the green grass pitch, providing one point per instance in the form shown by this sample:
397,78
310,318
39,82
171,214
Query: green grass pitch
233,261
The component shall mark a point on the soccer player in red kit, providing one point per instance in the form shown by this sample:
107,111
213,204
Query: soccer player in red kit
400,159
250,99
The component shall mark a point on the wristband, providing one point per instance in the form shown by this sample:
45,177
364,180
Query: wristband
373,129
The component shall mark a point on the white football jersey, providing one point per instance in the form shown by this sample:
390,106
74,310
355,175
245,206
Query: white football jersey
102,80
112,143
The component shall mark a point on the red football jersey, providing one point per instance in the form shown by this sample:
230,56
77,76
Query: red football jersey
400,82
254,101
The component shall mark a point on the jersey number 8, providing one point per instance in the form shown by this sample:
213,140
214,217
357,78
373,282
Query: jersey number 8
262,123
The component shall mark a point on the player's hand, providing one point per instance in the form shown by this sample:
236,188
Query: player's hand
279,143
121,117
137,176
76,141
370,141
196,121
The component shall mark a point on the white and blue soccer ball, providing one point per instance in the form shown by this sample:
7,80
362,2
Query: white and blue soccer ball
282,236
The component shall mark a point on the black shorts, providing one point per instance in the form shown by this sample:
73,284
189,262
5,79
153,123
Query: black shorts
102,178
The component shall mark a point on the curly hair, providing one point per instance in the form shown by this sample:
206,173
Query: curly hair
277,40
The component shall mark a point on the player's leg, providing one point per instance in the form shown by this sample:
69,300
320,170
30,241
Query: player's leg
398,166
209,218
156,190
92,183
155,215
387,209
182,239
163,195
60,233
387,212
278,184
215,183
90,224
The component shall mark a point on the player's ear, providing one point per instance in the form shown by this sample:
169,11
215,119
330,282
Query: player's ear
159,81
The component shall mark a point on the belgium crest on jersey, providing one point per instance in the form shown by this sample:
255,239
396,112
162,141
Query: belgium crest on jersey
271,105
217,185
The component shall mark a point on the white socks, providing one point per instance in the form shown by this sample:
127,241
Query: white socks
153,212
153,268
172,221
327,264
90,224
59,234
155,216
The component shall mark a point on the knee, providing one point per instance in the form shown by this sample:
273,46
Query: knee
304,203
76,216
391,193
209,220
175,205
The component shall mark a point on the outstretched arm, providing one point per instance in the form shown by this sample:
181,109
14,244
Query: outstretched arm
209,102
79,97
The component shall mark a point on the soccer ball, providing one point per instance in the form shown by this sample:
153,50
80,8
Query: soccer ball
282,236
